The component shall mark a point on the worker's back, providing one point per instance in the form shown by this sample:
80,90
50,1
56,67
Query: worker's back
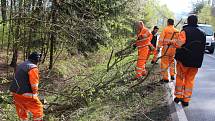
167,34
192,52
20,83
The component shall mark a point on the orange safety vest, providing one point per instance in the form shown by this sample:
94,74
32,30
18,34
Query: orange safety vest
144,37
167,35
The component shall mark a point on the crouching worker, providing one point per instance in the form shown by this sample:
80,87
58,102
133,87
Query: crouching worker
144,37
24,89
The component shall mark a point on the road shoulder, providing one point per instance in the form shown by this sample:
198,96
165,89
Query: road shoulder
176,110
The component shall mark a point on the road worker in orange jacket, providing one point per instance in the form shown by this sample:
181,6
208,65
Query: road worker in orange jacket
189,56
24,89
144,37
168,51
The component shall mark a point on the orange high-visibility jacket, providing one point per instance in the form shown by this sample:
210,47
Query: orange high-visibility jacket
182,39
166,36
144,37
34,79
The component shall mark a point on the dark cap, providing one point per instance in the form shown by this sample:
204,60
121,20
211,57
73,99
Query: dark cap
192,20
170,21
35,56
156,27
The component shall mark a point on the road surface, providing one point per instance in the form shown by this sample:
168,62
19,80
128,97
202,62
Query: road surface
202,106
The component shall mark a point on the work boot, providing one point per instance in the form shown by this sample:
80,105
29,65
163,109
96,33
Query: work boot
172,78
164,81
136,78
153,62
177,100
185,104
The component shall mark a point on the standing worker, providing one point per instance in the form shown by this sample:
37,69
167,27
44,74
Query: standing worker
144,37
189,57
168,51
24,89
154,43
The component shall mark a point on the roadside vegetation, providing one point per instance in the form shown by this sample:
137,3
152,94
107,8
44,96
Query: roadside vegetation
205,12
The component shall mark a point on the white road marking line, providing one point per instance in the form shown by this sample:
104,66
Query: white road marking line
210,56
208,69
179,109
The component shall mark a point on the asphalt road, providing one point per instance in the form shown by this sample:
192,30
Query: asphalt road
202,105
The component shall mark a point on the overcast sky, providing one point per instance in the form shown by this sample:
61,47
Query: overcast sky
179,7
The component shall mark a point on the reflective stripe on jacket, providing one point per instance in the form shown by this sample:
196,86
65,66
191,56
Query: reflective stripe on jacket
144,37
167,37
26,79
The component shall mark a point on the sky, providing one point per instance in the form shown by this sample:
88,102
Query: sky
179,7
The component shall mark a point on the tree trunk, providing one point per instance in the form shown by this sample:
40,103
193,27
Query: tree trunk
3,10
4,18
53,36
15,57
17,35
10,30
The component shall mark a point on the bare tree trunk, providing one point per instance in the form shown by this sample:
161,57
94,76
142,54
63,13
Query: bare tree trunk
10,30
2,39
17,35
53,36
15,50
4,18
15,57
25,37
3,10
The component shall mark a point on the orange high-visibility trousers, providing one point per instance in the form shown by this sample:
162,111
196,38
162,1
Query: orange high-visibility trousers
141,61
184,81
172,67
28,104
167,62
152,51
155,55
